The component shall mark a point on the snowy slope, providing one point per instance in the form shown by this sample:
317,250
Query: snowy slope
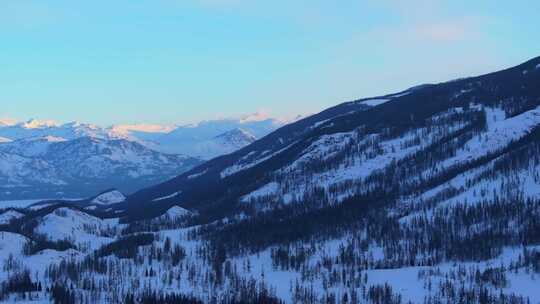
83,230
374,155
19,171
31,147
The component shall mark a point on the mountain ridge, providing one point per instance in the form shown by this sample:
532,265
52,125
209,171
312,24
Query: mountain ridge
345,118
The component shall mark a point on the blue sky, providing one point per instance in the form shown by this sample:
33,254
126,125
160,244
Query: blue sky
175,61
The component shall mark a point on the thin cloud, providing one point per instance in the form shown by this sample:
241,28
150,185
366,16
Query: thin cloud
429,31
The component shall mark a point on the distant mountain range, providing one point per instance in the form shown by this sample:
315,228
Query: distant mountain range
45,159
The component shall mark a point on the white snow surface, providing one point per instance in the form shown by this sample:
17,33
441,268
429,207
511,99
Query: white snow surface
9,215
12,244
176,212
268,189
376,153
244,164
111,197
86,231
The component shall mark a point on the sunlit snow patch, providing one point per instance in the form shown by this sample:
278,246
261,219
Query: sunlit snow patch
111,197
192,176
175,212
84,230
166,197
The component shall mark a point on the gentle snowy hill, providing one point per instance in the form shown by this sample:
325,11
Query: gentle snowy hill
109,197
85,231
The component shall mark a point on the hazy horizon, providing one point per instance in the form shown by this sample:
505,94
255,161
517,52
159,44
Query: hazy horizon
260,115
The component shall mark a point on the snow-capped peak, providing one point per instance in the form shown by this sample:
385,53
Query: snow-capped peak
175,212
81,125
237,135
40,124
7,122
254,117
145,128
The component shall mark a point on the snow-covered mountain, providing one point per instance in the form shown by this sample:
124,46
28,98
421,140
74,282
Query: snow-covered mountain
208,148
37,128
55,167
36,155
30,146
237,138
359,146
430,195
209,139
203,140
403,180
